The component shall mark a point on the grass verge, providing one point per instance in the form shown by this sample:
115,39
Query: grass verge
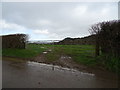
31,50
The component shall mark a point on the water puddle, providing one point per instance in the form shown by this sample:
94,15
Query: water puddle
49,50
42,47
65,57
45,52
57,68
51,76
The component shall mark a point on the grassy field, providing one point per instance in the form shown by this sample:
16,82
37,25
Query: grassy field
79,53
82,54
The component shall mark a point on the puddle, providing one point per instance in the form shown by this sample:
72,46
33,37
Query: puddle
49,50
65,57
42,47
50,76
45,52
56,67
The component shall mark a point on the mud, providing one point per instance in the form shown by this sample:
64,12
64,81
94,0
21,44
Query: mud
66,61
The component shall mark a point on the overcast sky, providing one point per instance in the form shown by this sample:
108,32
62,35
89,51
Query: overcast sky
53,20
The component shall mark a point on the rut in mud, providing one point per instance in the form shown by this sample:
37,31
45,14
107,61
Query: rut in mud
64,61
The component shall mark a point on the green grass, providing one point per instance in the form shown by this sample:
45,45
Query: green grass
82,54
31,50
111,63
79,53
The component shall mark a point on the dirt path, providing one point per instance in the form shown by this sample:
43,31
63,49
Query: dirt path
66,61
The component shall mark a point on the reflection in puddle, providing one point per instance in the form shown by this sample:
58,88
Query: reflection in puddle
65,57
51,76
59,68
45,52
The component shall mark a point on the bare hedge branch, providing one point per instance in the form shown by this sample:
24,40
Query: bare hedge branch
107,37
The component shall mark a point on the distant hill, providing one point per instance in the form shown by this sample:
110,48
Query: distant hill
43,41
89,40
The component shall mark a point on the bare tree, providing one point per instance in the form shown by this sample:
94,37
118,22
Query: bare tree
95,29
107,37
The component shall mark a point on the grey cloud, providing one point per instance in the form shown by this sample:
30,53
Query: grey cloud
60,19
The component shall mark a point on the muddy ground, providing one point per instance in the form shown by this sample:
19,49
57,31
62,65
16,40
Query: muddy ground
66,61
